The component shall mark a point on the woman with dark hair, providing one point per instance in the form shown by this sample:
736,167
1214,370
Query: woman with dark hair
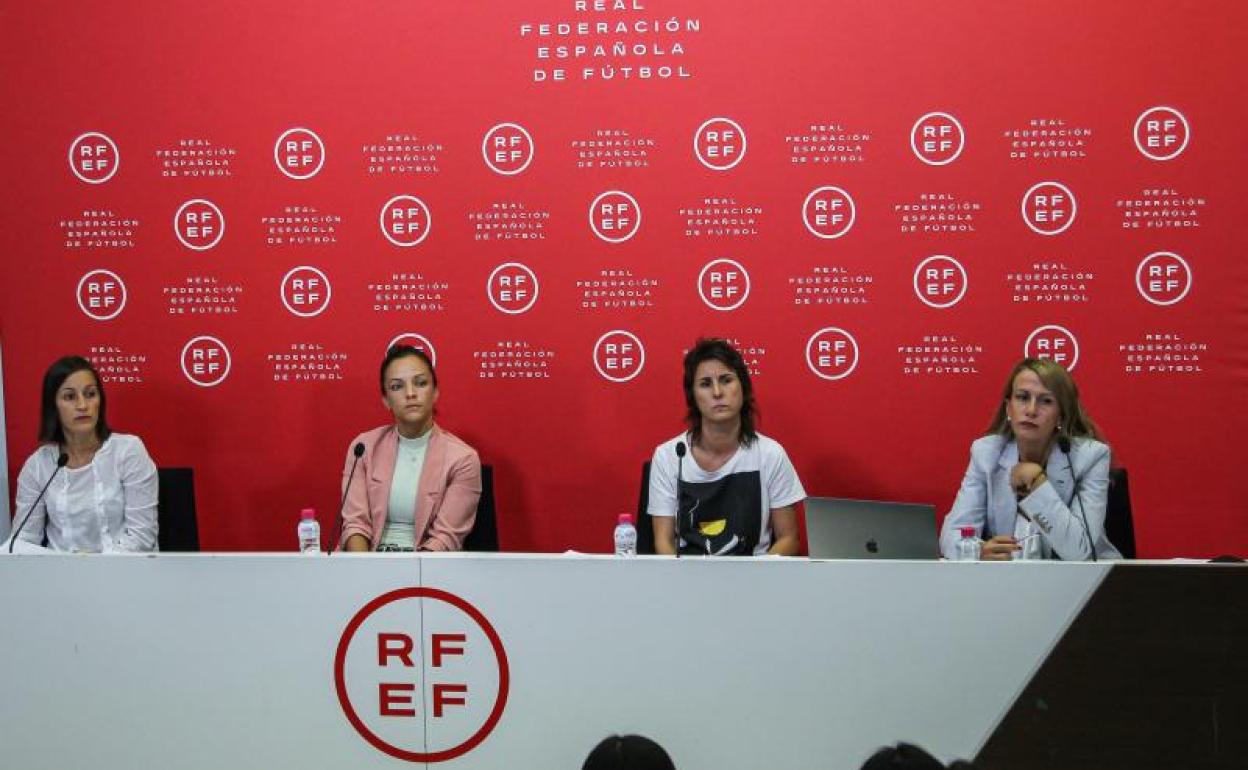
1038,482
722,488
628,752
417,485
104,499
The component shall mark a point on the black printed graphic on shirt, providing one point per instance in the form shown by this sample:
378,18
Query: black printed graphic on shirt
721,517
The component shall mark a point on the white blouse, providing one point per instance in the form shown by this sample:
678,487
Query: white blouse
400,529
108,505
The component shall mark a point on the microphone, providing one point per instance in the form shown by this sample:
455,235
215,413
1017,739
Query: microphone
1063,442
680,462
358,451
61,462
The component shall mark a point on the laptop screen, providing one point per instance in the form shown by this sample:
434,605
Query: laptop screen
838,528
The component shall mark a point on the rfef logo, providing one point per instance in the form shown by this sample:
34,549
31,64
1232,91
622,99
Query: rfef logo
421,675
206,361
1163,278
94,158
306,291
1049,208
940,281
512,288
418,341
724,284
199,224
832,353
1161,133
614,216
299,153
101,295
1055,343
828,212
405,220
719,144
619,355
937,138
508,149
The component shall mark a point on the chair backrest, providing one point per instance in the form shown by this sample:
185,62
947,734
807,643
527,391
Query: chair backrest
175,507
484,534
645,528
1118,525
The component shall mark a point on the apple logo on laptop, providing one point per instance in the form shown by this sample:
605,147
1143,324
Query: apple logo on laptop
872,546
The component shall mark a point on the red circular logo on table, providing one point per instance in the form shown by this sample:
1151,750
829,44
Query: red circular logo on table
828,212
508,149
405,220
101,294
1161,133
1163,278
832,353
418,341
305,291
937,138
421,675
719,144
299,153
1054,342
614,216
199,224
619,356
1049,208
206,361
512,288
94,158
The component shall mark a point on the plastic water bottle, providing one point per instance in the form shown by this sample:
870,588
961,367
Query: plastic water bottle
309,532
968,546
625,536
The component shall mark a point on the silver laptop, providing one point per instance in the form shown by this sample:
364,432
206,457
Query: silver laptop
870,529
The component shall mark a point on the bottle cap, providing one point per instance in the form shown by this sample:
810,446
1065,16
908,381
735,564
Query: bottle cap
307,513
967,531
626,518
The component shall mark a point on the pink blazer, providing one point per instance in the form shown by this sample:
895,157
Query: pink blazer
446,497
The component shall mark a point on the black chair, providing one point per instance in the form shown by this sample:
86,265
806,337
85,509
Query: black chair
484,534
1118,525
645,528
175,510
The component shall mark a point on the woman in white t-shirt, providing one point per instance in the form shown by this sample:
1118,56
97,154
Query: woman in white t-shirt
104,498
722,488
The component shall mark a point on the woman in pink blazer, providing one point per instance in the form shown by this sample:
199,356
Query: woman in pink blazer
416,486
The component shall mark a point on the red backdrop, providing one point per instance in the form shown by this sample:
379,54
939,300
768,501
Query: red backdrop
190,100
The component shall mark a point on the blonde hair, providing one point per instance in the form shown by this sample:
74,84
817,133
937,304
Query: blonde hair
1073,421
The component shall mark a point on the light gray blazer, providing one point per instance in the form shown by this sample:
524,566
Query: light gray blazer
986,501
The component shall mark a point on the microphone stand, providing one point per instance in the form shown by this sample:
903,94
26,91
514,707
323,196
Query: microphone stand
332,545
61,462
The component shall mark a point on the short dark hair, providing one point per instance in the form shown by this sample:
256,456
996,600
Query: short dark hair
628,752
906,756
403,351
714,348
50,428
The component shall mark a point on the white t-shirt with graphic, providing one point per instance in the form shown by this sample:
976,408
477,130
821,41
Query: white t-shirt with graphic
726,511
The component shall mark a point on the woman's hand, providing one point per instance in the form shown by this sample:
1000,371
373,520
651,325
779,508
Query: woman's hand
998,548
1025,477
